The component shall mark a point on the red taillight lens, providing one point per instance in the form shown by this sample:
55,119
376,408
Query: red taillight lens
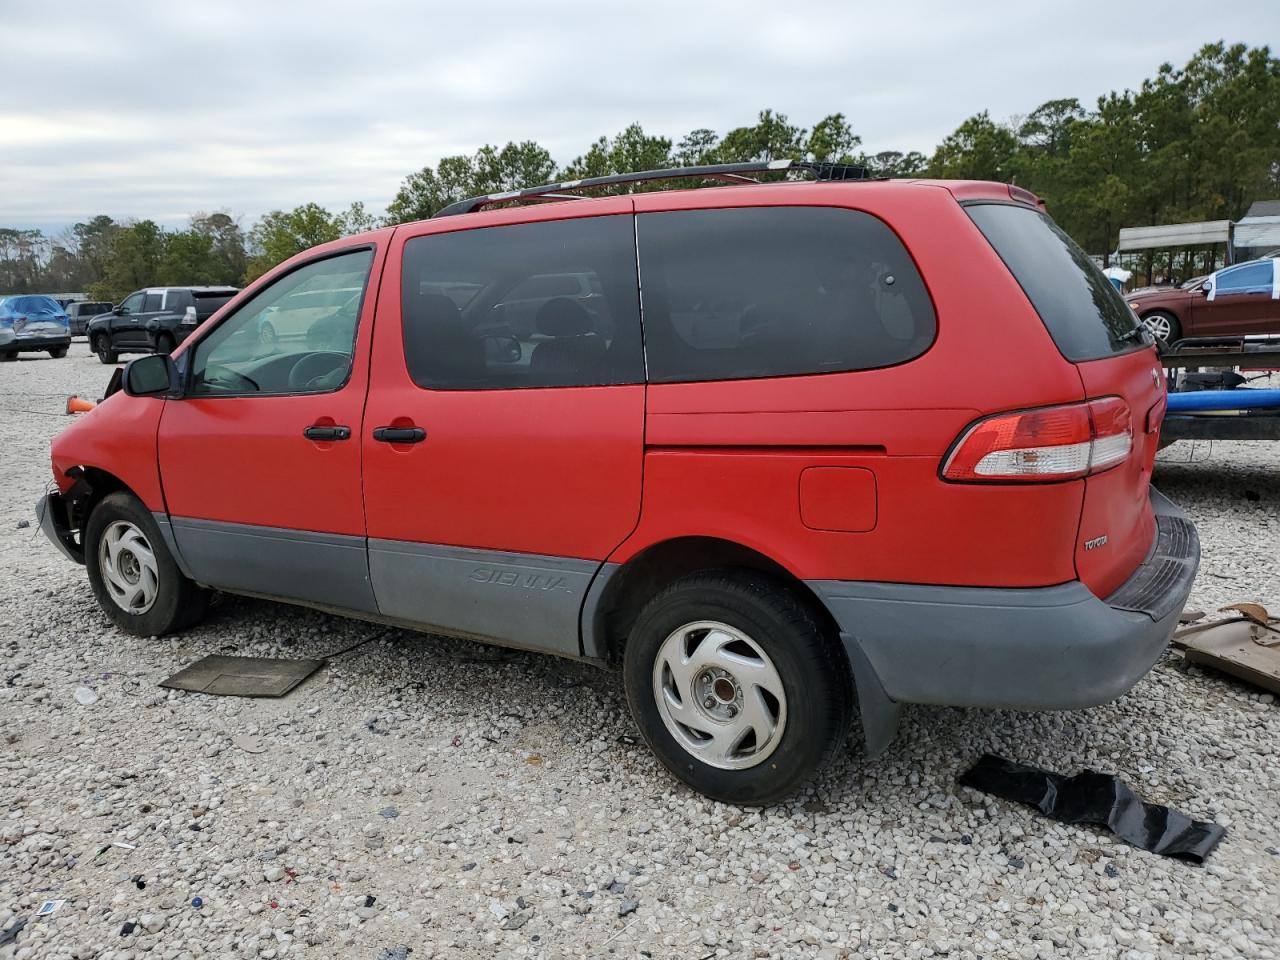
1051,443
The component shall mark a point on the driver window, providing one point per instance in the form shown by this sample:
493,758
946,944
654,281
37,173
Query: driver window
132,303
295,336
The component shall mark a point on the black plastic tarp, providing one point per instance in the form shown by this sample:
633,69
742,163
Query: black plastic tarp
1097,798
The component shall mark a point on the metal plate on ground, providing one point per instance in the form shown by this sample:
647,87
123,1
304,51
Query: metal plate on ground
1240,647
243,676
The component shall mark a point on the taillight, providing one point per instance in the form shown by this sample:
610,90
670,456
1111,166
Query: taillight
1051,443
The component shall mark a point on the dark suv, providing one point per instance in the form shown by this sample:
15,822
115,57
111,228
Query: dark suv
154,320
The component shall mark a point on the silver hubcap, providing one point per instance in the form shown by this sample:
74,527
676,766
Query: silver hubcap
128,567
1159,327
719,695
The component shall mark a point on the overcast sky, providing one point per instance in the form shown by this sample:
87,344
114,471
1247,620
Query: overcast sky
157,109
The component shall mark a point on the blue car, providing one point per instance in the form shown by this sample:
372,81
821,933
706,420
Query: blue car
30,324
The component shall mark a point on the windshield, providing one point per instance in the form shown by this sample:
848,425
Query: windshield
1082,310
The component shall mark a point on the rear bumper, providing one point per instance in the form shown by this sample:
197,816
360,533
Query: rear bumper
1046,648
11,341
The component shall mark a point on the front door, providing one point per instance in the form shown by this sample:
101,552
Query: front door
1243,303
502,463
126,322
260,460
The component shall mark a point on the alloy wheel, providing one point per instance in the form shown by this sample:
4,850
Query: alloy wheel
719,695
128,567
1159,326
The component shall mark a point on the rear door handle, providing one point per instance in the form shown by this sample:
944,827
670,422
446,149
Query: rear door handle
399,434
327,433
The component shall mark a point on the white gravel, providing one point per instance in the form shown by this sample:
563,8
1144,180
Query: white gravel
499,804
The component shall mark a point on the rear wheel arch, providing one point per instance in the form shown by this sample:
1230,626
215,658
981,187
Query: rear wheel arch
616,599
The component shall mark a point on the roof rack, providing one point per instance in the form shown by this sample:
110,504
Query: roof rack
728,172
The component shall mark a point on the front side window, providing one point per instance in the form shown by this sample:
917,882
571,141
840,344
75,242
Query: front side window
753,292
296,335
132,303
1246,278
550,304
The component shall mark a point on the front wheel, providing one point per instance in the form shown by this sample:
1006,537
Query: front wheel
102,347
133,576
1163,326
8,355
738,687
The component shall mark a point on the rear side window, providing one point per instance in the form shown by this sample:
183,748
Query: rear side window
551,304
1083,312
152,303
777,291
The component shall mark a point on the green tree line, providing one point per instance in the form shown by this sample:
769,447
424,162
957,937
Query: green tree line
1197,142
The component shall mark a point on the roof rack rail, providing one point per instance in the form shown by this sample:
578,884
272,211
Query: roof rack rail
728,172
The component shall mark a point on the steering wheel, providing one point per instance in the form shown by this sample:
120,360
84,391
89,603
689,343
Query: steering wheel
318,371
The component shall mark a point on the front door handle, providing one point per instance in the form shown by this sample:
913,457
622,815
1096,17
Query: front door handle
327,433
399,434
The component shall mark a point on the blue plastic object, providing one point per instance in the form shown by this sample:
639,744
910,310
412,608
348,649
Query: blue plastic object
1201,401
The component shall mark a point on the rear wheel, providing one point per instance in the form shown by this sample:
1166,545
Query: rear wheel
102,347
739,689
1163,326
133,575
164,344
58,353
8,355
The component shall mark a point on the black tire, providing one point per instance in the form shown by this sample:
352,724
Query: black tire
805,654
59,353
178,602
8,356
102,347
165,344
1158,321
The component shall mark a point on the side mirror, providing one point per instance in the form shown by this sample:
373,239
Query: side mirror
502,349
150,376
1206,286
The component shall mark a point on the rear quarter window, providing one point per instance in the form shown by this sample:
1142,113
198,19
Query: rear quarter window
731,294
1082,310
207,304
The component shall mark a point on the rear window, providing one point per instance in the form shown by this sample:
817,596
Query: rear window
730,294
1083,312
92,309
34,305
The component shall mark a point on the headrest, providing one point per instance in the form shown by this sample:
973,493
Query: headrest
436,310
562,317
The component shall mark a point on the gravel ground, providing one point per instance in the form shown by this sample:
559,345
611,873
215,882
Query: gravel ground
463,801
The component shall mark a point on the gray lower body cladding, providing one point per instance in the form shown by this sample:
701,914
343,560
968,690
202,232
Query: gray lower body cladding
1048,648
526,599
326,568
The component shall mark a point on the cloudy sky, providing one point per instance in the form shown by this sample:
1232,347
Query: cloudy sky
157,109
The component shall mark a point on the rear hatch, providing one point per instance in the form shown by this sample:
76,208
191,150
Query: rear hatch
1095,330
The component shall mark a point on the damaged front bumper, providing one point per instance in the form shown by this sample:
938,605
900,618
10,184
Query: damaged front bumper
51,511
1044,648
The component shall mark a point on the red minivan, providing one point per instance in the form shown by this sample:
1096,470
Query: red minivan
777,450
